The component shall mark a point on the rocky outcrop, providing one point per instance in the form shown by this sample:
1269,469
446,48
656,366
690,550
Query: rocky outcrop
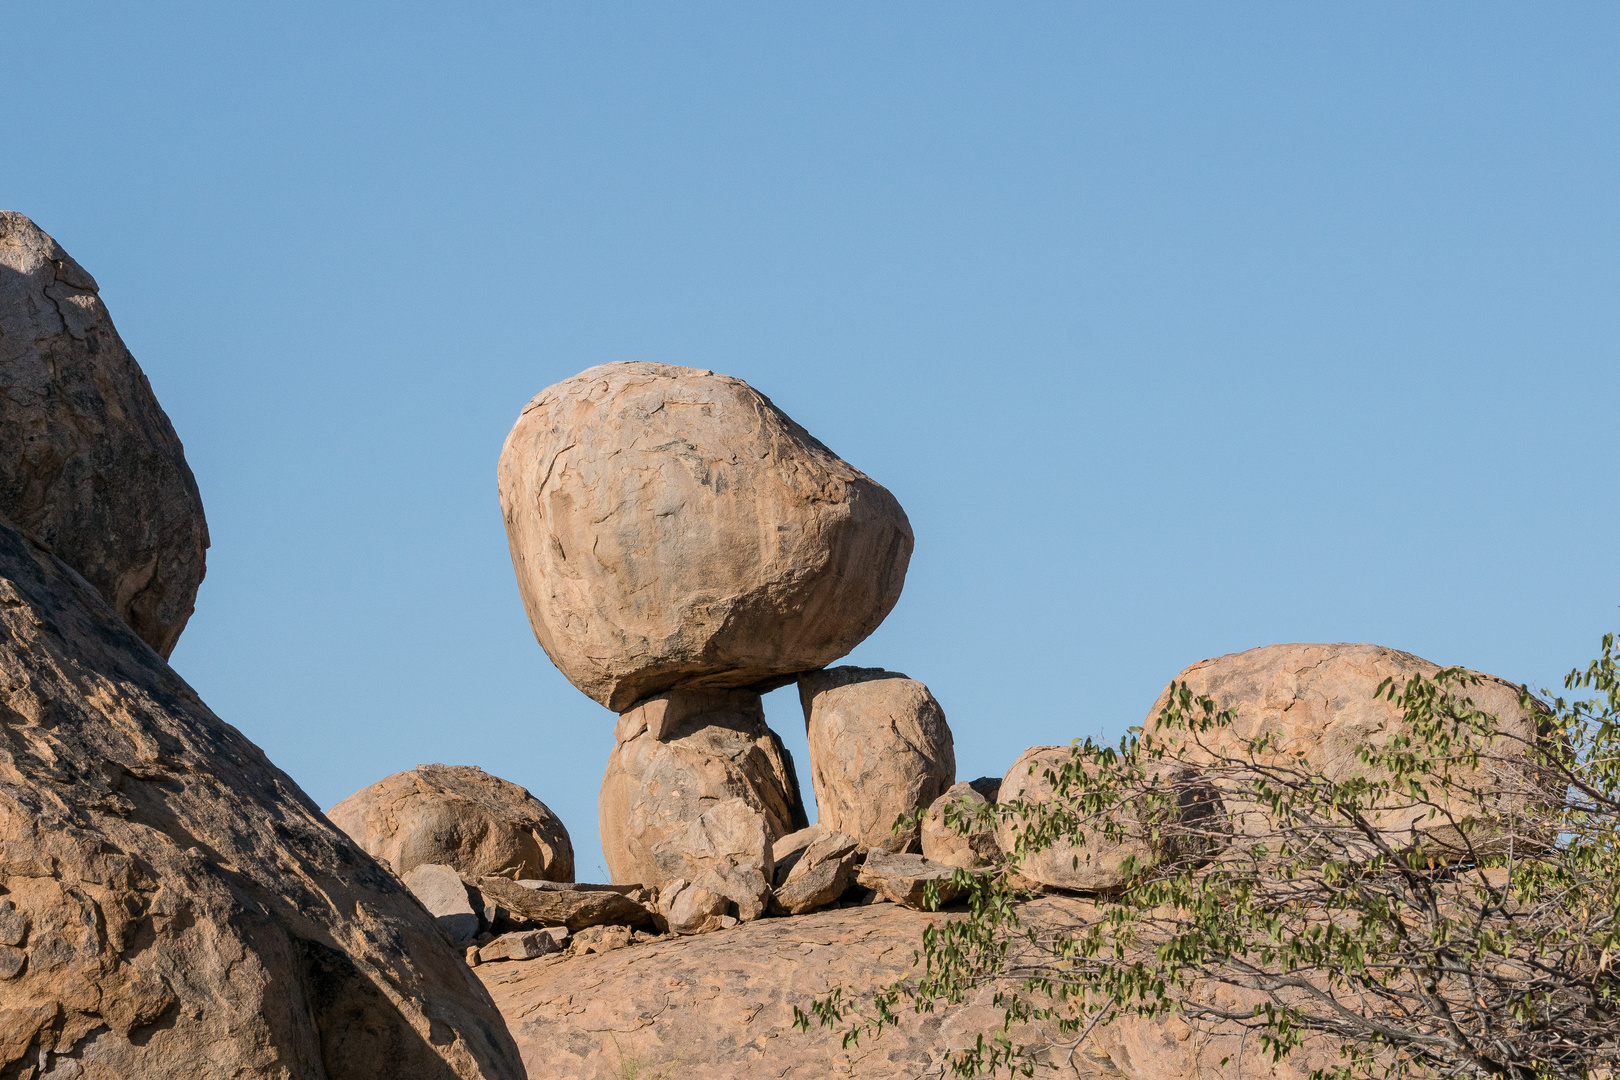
1319,700
944,844
721,1006
92,467
696,783
879,748
181,908
671,528
460,816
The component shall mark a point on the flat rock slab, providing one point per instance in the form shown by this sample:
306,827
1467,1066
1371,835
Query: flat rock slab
720,1007
574,908
904,878
441,891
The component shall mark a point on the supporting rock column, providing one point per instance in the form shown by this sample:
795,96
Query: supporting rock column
697,788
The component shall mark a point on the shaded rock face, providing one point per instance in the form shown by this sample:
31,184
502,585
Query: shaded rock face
720,1006
1320,700
182,909
696,782
671,528
879,748
943,844
92,466
460,816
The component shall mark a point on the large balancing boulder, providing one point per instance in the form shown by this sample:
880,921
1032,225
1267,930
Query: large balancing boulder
459,816
879,748
698,785
92,467
671,528
172,906
1321,700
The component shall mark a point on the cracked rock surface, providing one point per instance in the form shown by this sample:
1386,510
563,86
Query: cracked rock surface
92,466
671,528
172,905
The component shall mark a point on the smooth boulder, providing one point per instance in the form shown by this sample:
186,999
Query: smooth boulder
671,528
186,911
696,782
462,817
944,843
92,467
1320,700
879,748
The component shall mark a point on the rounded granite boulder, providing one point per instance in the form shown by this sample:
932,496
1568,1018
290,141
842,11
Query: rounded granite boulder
672,529
458,816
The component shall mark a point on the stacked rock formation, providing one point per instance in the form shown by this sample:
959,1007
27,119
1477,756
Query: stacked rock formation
92,468
682,546
173,905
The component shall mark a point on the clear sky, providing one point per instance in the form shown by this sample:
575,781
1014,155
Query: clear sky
1176,328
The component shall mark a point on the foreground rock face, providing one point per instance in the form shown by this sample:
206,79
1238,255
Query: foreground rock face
460,816
671,528
696,782
879,748
720,1006
92,466
181,908
1320,700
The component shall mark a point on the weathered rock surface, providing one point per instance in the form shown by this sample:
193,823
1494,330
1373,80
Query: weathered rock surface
671,528
720,1007
1319,700
460,816
441,891
817,874
517,904
903,878
1097,865
879,748
92,466
696,782
943,844
184,909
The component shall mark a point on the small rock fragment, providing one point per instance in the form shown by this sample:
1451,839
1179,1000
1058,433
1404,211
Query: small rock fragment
524,945
11,961
690,909
818,875
441,891
943,844
13,924
601,939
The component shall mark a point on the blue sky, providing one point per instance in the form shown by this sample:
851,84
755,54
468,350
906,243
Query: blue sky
1176,328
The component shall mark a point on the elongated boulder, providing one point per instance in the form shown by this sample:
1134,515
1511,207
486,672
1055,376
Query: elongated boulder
185,910
696,782
91,465
671,528
879,748
462,817
1319,700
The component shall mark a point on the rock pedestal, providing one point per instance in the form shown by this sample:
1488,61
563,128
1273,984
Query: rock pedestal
91,465
879,748
460,816
697,782
671,528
